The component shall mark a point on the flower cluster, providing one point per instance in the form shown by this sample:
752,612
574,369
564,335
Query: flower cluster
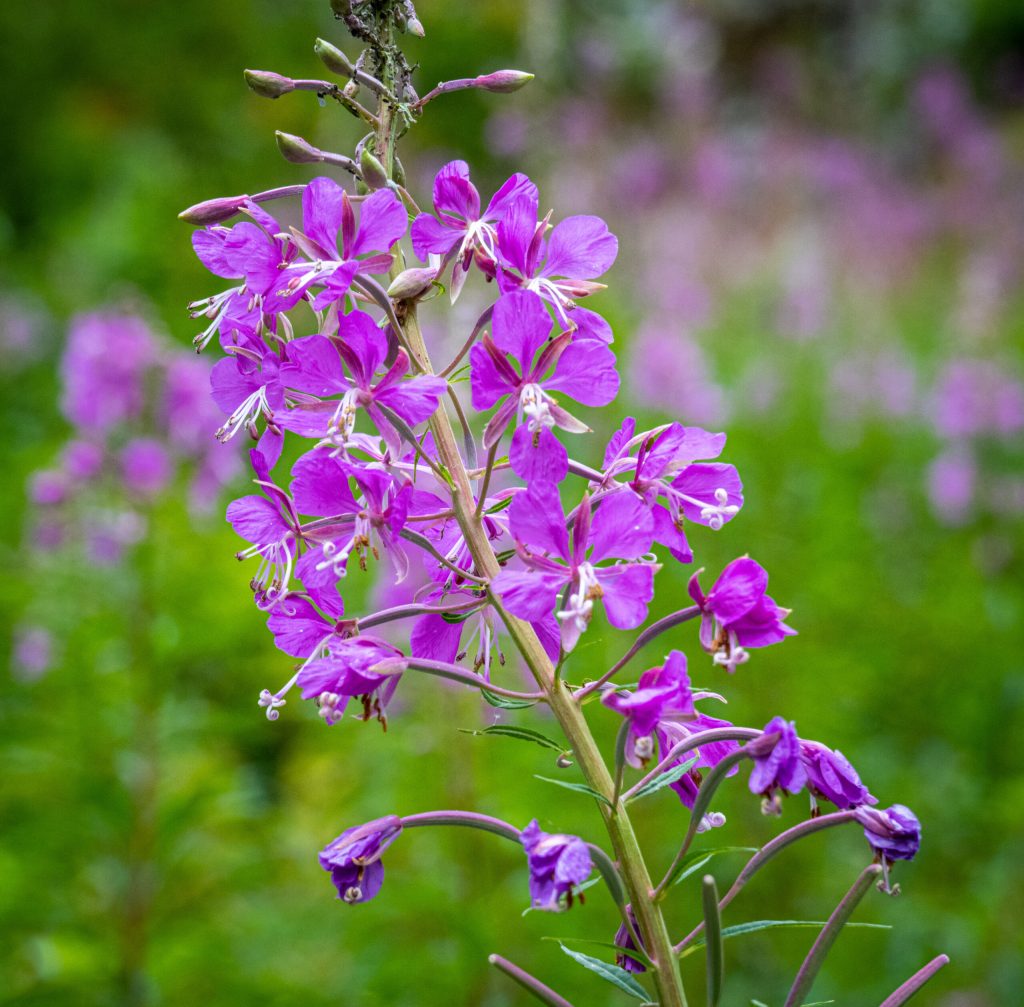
513,532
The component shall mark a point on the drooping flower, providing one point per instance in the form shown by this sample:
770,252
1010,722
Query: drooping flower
894,834
621,528
460,230
737,613
584,370
830,776
662,714
777,764
558,865
353,859
624,940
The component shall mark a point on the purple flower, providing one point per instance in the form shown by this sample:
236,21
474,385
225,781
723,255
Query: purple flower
558,864
145,466
624,940
560,267
82,460
363,667
271,525
320,487
353,859
737,613
327,217
460,230
315,368
665,468
777,763
247,387
103,370
894,834
622,528
584,369
253,253
830,775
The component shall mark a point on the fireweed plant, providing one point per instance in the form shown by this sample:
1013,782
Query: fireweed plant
386,481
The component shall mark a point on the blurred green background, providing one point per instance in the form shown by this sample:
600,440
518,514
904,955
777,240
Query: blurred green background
820,209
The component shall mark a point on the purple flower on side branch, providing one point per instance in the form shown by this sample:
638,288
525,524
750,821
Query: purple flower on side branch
777,764
830,776
353,859
737,613
894,834
558,865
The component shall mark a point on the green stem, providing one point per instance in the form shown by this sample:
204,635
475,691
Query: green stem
635,876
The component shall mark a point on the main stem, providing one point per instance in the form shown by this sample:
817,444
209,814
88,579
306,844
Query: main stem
635,875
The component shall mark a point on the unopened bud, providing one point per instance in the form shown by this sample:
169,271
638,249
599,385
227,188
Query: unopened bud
399,172
333,58
412,283
297,150
268,84
564,761
414,27
212,211
351,89
503,81
372,170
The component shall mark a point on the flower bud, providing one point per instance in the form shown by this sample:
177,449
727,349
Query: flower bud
333,58
412,283
297,150
503,81
372,170
268,84
212,211
414,27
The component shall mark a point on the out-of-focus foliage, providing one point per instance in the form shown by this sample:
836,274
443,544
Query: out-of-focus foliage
159,835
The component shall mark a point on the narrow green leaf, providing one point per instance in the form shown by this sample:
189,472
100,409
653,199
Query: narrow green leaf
713,940
609,945
505,702
819,1003
741,929
580,788
519,733
454,618
609,973
665,780
696,860
499,506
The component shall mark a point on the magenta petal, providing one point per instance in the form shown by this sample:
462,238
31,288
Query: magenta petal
762,625
537,521
429,235
521,325
590,325
382,221
435,639
414,400
232,382
538,456
628,589
322,202
454,194
619,440
367,345
297,626
209,248
516,230
516,187
701,481
670,535
586,372
581,247
550,635
737,590
529,594
487,382
320,485
257,520
314,366
623,528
